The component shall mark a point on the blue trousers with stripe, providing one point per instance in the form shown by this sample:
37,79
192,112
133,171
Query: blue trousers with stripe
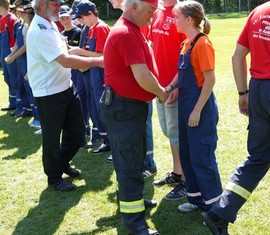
257,164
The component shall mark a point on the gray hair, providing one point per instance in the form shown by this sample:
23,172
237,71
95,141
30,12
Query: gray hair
35,4
128,3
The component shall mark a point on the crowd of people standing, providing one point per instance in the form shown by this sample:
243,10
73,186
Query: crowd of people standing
80,72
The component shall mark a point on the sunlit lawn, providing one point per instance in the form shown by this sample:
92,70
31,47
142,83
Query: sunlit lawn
28,207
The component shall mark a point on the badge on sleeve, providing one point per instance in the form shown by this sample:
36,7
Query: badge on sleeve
42,26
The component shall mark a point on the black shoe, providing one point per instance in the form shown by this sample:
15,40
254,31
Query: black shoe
88,145
63,186
217,225
150,172
8,108
109,159
153,232
72,172
149,203
143,231
102,149
15,113
24,114
178,192
96,141
170,178
148,232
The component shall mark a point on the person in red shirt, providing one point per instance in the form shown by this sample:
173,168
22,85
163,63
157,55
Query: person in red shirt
254,40
150,168
10,70
166,42
130,82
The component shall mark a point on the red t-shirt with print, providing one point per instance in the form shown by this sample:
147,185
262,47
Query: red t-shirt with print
125,46
4,25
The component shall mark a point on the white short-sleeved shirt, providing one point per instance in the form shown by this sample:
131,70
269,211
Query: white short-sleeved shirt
24,31
44,45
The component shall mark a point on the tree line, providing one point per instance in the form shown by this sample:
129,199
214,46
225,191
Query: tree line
211,6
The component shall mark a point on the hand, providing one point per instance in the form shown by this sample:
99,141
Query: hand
169,88
243,104
194,119
75,51
9,59
172,97
163,96
26,77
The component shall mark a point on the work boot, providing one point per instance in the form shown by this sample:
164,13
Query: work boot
217,225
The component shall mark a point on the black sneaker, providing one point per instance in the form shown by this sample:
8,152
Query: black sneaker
177,193
170,178
217,225
103,148
150,172
62,186
72,172
109,159
16,112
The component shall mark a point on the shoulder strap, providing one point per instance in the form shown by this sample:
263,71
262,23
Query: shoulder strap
8,20
194,41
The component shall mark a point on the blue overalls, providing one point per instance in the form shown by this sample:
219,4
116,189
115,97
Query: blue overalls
197,144
97,88
25,90
84,91
10,71
74,72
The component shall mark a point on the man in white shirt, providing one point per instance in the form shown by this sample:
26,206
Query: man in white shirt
58,103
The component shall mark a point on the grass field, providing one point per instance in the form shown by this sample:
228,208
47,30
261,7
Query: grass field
28,207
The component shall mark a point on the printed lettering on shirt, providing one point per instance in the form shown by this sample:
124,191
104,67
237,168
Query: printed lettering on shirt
168,22
263,30
166,26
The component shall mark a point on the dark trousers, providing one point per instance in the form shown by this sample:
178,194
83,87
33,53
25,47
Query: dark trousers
126,125
62,131
254,168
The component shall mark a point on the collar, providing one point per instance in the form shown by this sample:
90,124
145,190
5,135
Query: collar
45,23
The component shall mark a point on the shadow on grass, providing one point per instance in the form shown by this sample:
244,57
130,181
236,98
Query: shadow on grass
18,135
47,216
168,220
115,221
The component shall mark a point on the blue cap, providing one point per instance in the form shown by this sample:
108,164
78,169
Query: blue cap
83,7
64,11
73,7
60,1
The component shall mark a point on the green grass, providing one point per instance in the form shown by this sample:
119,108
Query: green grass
28,207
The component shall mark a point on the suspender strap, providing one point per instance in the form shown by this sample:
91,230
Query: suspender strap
193,42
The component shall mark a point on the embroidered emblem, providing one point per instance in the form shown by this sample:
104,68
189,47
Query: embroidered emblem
42,26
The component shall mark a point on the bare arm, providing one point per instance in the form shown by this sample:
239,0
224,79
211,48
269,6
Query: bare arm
82,52
79,62
148,81
209,82
239,65
15,54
